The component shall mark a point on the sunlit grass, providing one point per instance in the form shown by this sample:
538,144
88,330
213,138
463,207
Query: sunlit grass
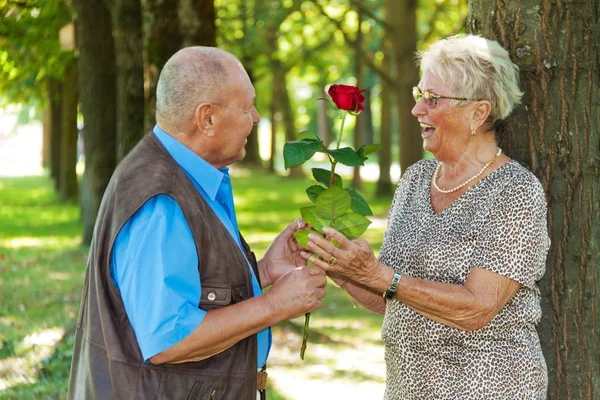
42,265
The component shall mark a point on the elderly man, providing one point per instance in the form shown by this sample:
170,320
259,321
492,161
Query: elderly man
172,305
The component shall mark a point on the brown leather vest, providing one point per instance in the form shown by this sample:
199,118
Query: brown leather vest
107,362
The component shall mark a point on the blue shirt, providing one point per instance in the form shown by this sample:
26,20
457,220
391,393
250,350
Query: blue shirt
154,262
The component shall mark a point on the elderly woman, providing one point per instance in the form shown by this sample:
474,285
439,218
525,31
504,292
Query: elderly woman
466,242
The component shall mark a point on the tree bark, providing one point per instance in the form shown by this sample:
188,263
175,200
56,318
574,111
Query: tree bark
68,148
288,117
403,15
384,183
556,134
274,125
322,119
162,41
252,158
97,87
46,132
360,81
197,22
55,94
129,48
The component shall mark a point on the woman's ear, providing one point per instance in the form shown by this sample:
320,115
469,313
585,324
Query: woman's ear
481,113
204,119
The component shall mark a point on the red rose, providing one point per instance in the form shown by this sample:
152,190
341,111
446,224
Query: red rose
347,98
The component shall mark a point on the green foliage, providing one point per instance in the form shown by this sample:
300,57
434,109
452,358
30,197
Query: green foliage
347,156
359,204
29,48
333,203
323,176
352,225
299,151
314,191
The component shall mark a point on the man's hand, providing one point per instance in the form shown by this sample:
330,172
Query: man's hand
298,292
282,256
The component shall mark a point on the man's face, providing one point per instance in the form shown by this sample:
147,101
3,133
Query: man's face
235,117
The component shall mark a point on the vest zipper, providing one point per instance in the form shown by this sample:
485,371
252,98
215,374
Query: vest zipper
213,394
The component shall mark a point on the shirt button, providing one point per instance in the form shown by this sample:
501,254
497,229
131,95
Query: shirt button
212,296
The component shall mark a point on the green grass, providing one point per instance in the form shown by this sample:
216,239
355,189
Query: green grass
42,266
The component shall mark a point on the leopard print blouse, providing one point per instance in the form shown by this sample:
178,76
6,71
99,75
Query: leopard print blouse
500,225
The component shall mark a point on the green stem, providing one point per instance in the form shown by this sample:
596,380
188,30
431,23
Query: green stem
331,183
339,141
305,335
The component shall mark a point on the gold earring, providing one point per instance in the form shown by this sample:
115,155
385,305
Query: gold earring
473,133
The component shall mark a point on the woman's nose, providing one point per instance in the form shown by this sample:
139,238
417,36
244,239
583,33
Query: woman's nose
419,109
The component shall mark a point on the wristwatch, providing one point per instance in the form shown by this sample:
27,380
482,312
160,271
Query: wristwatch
391,292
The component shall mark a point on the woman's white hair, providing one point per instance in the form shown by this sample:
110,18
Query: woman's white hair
191,76
477,69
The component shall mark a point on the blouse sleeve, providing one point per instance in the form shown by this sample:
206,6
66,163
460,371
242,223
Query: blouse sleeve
514,240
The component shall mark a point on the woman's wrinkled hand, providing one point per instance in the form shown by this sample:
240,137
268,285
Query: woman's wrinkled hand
354,258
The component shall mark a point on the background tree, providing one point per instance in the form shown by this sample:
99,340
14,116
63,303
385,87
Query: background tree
32,71
126,16
97,83
162,39
556,134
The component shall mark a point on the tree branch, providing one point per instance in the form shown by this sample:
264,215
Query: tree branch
367,60
369,13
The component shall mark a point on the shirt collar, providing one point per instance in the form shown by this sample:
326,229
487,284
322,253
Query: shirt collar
208,177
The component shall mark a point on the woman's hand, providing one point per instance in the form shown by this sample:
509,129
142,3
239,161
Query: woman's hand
354,258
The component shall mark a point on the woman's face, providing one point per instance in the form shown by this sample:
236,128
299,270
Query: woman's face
446,129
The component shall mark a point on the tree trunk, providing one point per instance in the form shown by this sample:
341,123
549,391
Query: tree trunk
360,82
403,15
55,94
197,22
252,158
274,124
384,183
46,131
288,118
68,147
322,120
162,41
97,87
129,48
556,134
368,131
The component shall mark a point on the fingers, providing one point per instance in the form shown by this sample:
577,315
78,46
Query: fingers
337,236
316,261
322,247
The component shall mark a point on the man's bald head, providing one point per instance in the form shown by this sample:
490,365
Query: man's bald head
191,76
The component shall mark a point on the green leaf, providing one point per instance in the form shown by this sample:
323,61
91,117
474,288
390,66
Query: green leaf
314,191
299,151
309,214
365,150
359,204
347,156
302,236
322,176
307,135
333,202
351,224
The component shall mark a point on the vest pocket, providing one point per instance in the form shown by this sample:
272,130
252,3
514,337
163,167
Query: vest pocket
215,296
204,391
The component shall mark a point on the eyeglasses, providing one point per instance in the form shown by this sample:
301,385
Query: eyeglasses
430,98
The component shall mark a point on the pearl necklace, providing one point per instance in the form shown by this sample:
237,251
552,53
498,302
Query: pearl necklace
454,189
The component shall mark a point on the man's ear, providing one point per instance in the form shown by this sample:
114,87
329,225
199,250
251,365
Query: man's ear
204,119
481,113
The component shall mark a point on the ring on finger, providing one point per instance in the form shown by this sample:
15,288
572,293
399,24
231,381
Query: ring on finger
332,261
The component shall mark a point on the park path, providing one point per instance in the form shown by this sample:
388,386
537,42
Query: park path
340,370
